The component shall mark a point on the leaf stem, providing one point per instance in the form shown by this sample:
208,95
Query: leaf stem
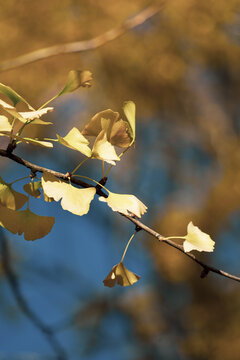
96,182
80,164
129,241
120,155
25,177
47,102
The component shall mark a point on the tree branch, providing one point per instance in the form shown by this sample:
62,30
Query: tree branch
35,168
23,304
84,45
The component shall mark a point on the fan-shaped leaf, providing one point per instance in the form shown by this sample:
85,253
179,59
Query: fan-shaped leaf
197,240
75,200
120,275
125,204
76,141
76,79
10,198
32,225
32,188
103,150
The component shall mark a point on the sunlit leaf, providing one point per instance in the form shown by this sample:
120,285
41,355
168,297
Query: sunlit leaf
103,150
32,225
32,188
76,79
13,96
197,240
129,109
36,114
27,115
10,198
75,200
26,140
76,141
5,125
125,204
120,275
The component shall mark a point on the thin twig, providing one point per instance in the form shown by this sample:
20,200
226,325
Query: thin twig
206,268
23,304
80,46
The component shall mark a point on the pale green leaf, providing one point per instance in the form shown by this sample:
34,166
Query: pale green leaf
76,141
13,96
120,275
129,109
197,240
76,79
125,204
75,200
5,125
103,150
26,140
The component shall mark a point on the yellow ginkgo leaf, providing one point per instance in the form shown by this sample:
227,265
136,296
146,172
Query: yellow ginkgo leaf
76,79
36,114
76,141
53,187
75,200
197,240
129,109
120,275
103,150
5,125
32,225
10,198
125,204
31,141
28,115
32,188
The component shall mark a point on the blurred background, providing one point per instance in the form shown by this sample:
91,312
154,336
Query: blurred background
181,67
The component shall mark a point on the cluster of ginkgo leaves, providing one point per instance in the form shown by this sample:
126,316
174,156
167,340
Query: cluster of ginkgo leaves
112,137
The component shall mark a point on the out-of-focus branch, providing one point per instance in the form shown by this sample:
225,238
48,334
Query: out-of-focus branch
206,268
23,304
85,45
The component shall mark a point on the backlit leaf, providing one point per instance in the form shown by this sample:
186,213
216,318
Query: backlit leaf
29,140
27,115
120,275
125,204
103,150
197,240
76,141
10,198
129,109
75,200
76,79
5,125
32,225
